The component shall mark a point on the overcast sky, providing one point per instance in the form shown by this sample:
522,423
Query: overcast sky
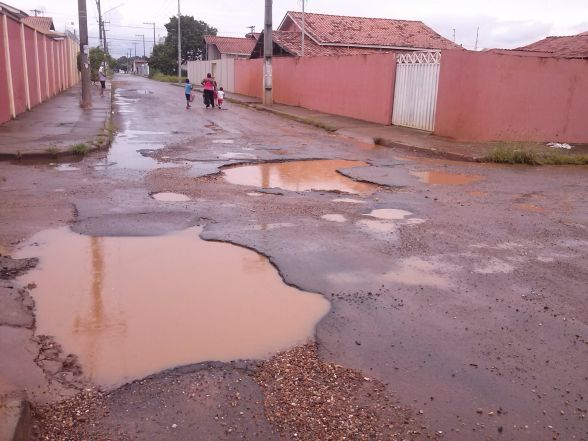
502,23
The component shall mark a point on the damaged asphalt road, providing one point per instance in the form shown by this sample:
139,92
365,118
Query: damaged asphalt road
457,289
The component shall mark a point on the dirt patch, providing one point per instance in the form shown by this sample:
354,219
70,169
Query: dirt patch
11,268
309,399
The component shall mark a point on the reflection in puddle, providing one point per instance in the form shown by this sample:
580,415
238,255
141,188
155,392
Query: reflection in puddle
389,214
416,271
299,176
237,155
223,141
132,306
167,196
439,177
334,217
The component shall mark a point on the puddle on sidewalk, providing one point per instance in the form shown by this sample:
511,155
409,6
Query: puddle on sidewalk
167,196
299,176
133,306
446,178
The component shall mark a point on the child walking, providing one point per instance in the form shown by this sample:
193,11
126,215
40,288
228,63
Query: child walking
220,97
188,93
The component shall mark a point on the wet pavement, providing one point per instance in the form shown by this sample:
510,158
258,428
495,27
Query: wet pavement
461,286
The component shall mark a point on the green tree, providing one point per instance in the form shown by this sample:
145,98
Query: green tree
165,56
97,58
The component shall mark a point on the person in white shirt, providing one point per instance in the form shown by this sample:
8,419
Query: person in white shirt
220,97
102,78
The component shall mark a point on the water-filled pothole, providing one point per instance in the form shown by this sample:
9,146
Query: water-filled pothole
132,306
445,178
389,214
299,176
167,196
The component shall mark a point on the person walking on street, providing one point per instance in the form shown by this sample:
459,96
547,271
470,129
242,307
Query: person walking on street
220,97
209,85
188,93
102,78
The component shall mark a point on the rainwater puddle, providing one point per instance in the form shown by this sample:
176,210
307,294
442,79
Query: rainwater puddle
125,153
237,155
334,217
167,196
65,167
389,214
132,306
377,226
223,141
445,178
348,201
299,176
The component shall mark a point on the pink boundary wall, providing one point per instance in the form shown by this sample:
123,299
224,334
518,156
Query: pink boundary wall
60,69
357,86
503,97
249,77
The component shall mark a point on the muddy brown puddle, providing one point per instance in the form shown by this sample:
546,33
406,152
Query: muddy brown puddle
133,306
445,178
299,176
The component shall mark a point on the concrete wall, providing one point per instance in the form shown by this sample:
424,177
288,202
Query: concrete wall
33,66
223,71
249,77
504,97
358,86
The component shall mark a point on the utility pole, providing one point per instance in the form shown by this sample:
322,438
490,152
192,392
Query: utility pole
142,35
152,23
36,11
179,45
85,50
100,24
135,44
268,52
303,2
454,35
477,35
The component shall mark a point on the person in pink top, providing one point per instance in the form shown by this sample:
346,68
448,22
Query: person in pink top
209,87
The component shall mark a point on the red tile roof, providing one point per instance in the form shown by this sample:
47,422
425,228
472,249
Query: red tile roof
570,46
291,43
44,24
363,31
231,45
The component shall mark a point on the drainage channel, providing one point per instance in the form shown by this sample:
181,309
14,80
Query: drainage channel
299,176
132,306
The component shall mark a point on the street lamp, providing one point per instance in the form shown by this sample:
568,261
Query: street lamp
142,35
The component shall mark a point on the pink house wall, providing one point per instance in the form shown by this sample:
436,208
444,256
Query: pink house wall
504,97
357,86
249,77
31,66
4,107
16,63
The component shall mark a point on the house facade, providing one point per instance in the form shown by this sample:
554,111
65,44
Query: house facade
221,48
342,35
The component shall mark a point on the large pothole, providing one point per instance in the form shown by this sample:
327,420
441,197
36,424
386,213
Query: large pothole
132,306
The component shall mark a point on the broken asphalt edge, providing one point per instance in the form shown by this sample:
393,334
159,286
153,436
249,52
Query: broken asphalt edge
377,140
100,141
16,420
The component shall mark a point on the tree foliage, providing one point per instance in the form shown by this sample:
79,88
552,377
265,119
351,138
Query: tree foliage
165,56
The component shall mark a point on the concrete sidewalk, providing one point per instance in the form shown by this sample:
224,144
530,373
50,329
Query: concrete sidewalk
54,127
387,135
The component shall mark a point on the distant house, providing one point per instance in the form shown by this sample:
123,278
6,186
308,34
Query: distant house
342,35
217,48
43,24
571,46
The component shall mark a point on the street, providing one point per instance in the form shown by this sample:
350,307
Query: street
450,295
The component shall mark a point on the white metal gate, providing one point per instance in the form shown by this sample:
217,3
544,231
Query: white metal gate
415,93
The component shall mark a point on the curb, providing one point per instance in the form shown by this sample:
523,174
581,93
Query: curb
378,141
16,420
